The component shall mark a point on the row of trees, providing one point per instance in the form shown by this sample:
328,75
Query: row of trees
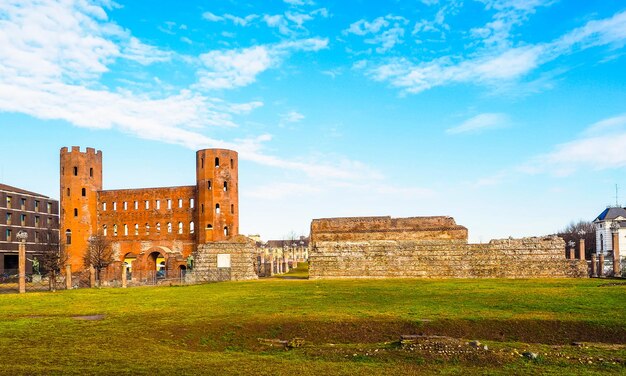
99,254
581,229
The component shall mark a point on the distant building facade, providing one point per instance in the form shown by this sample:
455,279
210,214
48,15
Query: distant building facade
34,213
151,230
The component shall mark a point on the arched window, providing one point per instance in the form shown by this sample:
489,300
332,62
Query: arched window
125,229
147,229
232,164
68,191
191,203
68,236
208,185
75,212
225,230
75,171
191,227
202,162
83,192
232,209
225,186
104,230
209,227
136,228
91,171
180,227
114,230
158,227
169,227
217,208
217,162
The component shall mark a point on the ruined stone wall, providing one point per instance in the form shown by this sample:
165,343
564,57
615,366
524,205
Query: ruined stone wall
242,257
429,247
387,228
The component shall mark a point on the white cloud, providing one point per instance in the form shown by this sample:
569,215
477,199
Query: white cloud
291,117
299,2
385,31
241,21
54,53
499,66
212,17
227,69
479,123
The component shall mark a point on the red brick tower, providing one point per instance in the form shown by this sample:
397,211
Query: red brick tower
81,179
218,195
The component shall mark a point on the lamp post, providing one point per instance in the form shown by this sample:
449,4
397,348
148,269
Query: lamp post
22,236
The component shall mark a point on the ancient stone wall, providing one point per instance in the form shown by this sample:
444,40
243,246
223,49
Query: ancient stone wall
387,228
240,251
414,254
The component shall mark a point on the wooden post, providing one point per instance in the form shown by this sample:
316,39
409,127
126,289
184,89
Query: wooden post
22,267
616,260
68,276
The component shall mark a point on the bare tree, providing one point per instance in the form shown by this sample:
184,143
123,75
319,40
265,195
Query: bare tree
99,254
52,258
573,233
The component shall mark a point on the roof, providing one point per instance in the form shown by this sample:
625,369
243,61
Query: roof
8,188
611,213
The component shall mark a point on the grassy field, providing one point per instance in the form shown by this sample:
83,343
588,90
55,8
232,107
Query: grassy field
349,327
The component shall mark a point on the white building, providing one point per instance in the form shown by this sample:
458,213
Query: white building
611,217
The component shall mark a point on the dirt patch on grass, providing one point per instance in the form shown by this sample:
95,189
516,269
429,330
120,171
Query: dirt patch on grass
220,336
89,317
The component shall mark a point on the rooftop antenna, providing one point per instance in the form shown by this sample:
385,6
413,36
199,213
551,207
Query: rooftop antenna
616,196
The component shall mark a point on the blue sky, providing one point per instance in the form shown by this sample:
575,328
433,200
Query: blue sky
509,115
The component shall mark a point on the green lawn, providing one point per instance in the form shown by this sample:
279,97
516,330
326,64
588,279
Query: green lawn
349,327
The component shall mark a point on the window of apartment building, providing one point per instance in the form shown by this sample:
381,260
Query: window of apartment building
36,205
125,205
169,227
9,202
147,204
37,223
180,227
48,221
136,203
23,203
9,218
158,204
180,202
49,208
23,220
36,237
8,235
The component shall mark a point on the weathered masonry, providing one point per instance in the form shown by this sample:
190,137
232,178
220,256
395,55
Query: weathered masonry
429,247
153,231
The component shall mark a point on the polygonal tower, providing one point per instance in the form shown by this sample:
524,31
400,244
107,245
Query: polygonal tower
81,179
218,195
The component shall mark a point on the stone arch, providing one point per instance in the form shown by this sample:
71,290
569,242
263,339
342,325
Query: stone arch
154,262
